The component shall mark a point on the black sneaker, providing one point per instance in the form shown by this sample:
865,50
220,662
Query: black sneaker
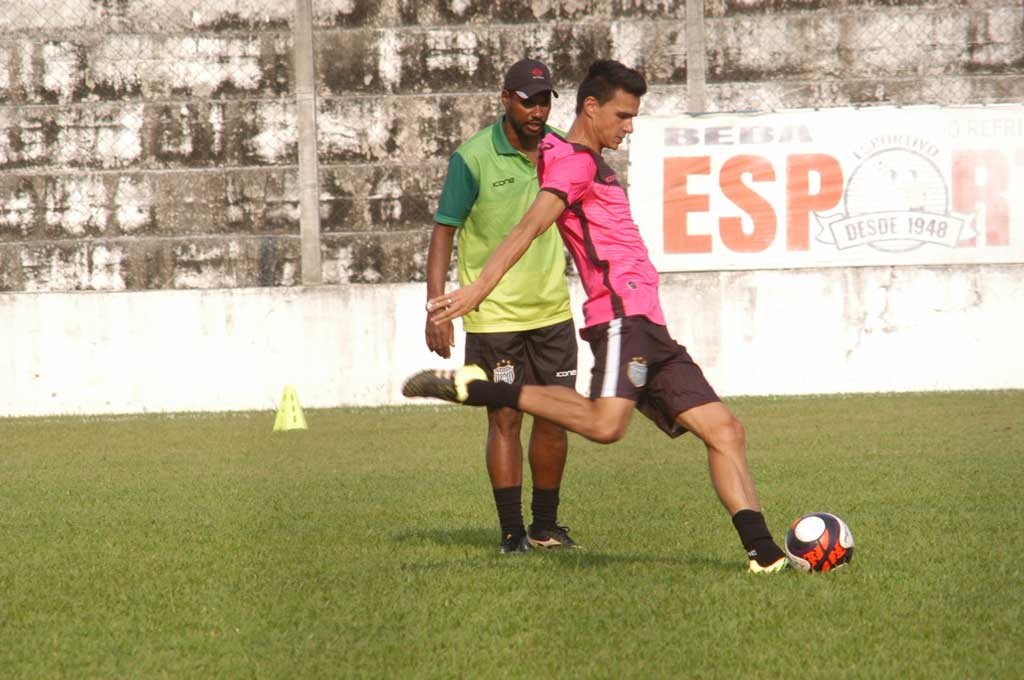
552,537
449,385
514,543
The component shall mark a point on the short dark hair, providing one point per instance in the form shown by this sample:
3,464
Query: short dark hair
605,77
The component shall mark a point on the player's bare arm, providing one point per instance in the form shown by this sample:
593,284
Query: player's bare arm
440,337
538,218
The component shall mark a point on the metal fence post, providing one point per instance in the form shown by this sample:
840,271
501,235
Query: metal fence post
696,57
309,185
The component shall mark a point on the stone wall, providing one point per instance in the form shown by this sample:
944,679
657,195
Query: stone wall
152,144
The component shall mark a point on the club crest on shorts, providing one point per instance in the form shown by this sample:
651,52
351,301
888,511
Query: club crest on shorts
636,371
505,372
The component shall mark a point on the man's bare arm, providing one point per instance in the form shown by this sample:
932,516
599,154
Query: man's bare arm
440,338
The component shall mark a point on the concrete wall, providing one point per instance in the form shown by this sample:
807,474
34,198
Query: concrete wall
762,332
149,199
151,144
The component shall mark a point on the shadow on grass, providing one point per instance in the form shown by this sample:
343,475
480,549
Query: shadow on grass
467,536
584,558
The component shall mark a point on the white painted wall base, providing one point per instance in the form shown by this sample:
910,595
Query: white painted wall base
756,333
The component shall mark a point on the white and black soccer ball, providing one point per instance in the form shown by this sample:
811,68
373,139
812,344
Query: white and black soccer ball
819,541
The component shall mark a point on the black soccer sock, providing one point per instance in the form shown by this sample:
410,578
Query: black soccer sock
493,394
545,508
756,538
510,509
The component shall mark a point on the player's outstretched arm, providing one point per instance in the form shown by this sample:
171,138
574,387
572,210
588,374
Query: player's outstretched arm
541,214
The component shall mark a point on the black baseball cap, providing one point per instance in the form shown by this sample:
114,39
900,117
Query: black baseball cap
527,77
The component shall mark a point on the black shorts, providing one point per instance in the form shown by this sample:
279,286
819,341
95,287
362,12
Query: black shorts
541,356
637,359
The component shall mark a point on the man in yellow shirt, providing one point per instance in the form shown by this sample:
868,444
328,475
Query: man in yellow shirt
523,333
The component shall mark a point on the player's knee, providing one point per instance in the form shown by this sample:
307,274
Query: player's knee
607,432
505,422
728,435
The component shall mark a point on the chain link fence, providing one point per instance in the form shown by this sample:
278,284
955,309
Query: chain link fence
156,143
184,59
162,131
850,57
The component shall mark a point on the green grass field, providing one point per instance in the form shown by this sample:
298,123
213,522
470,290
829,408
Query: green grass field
204,546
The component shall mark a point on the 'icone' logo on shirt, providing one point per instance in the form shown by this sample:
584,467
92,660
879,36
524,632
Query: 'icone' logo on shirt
503,182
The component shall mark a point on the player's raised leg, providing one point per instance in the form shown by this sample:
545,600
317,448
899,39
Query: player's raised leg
601,420
725,439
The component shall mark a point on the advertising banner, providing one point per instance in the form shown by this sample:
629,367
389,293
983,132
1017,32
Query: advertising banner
830,188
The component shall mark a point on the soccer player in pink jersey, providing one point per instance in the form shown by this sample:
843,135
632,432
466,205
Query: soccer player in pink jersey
637,364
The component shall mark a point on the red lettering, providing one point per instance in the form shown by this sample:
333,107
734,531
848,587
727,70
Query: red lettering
800,202
750,202
678,202
968,193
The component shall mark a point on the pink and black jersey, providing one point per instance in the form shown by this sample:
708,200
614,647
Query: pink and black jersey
598,229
